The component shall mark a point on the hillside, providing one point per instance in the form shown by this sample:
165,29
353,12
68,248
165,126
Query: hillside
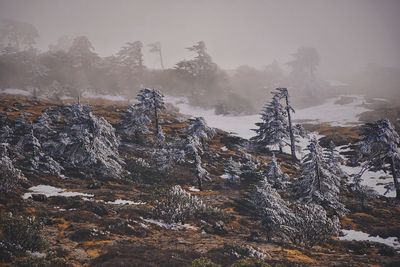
103,213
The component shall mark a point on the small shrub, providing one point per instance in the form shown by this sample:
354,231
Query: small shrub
203,262
20,234
242,251
177,205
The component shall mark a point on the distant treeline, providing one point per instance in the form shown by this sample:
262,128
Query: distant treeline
71,67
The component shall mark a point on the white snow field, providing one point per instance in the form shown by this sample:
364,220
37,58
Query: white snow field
125,202
51,191
329,112
361,236
13,91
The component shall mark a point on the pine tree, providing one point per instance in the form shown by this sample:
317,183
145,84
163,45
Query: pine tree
284,93
198,133
232,170
9,175
276,129
151,102
135,123
333,159
274,175
84,142
198,128
273,211
318,184
273,130
379,147
306,224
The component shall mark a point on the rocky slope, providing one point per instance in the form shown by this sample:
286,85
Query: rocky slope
111,222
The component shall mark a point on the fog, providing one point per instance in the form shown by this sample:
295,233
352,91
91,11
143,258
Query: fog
348,35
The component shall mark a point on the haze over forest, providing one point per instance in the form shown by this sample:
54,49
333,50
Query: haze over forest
355,41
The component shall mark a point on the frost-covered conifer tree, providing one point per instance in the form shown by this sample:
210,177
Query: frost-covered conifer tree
274,212
300,223
135,123
164,158
83,142
318,184
198,128
274,175
151,102
9,175
284,93
333,160
250,169
201,173
312,225
378,148
232,171
276,128
273,129
198,133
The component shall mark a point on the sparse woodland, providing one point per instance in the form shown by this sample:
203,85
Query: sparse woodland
137,183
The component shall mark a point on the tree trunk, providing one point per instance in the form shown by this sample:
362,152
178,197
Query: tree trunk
395,181
155,112
292,144
199,180
161,58
318,176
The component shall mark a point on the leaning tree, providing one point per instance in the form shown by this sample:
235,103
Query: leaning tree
378,149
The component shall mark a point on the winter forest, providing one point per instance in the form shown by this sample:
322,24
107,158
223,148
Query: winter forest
199,133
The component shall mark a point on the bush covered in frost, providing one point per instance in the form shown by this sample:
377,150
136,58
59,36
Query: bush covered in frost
75,137
20,234
177,206
9,175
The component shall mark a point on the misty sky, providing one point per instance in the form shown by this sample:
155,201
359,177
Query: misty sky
347,33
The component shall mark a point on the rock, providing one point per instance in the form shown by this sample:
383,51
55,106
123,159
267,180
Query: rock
86,234
39,197
217,228
94,185
126,227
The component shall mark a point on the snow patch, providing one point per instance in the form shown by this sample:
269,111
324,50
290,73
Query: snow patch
224,149
51,191
171,226
194,189
225,176
125,202
376,180
333,113
361,236
328,112
12,91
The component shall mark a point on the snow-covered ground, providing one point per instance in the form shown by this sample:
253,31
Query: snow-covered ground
125,202
361,236
333,113
329,112
171,226
13,91
51,191
376,180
